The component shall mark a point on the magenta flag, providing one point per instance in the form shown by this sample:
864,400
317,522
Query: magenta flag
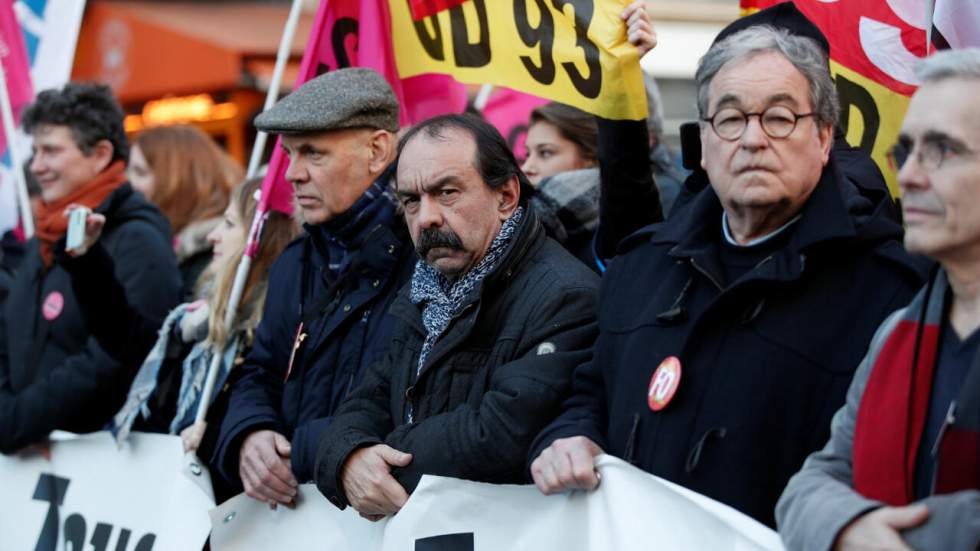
16,67
509,111
357,33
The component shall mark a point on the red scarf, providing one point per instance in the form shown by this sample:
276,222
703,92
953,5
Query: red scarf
893,409
51,220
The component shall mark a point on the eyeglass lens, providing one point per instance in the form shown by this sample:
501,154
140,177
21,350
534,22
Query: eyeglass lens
777,122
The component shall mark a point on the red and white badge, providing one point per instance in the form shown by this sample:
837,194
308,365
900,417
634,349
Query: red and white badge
664,383
53,304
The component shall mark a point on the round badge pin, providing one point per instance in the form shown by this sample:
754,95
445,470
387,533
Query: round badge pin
664,383
53,304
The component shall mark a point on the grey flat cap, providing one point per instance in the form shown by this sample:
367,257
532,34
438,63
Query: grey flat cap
346,98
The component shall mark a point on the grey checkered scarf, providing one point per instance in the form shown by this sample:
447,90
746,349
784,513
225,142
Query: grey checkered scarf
567,204
443,300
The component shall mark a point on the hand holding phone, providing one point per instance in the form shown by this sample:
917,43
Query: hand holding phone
84,229
76,228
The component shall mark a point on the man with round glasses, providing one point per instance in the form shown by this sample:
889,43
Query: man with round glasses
729,334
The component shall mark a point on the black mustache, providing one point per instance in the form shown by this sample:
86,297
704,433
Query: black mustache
432,238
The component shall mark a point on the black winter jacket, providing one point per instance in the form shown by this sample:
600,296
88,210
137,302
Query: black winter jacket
53,373
766,361
495,377
352,331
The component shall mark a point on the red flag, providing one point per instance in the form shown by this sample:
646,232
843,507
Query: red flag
424,8
873,47
357,33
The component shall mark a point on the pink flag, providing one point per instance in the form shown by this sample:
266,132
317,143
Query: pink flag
15,64
509,111
357,33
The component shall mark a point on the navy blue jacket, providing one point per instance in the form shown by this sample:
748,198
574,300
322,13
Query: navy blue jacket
352,333
53,373
766,361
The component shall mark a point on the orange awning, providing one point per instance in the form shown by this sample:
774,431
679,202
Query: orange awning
147,50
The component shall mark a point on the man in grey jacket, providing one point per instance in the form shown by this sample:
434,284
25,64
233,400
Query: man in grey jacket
902,467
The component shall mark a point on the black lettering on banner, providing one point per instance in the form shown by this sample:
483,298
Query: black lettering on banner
344,27
468,54
448,542
123,540
100,536
145,543
543,35
51,489
431,43
591,85
75,532
853,94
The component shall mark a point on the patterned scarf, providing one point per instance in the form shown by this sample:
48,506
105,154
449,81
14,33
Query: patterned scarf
443,300
342,234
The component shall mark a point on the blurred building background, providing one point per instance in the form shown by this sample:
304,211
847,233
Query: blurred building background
209,62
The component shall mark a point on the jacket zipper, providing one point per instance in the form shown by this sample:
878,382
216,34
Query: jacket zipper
948,422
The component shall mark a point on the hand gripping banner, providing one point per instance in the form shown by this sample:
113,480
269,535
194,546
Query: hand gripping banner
630,511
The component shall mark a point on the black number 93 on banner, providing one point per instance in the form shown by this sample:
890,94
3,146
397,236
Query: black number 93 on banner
571,51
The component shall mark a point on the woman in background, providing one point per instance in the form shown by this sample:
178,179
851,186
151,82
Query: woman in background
562,165
593,177
166,392
184,172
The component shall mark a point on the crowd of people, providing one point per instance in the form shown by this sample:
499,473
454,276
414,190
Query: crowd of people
789,341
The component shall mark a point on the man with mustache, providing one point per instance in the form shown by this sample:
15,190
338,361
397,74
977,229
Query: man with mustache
902,467
728,335
325,316
487,333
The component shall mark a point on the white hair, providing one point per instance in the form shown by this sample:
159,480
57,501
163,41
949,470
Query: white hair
947,64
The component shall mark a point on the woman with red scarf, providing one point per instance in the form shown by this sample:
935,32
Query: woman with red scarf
53,374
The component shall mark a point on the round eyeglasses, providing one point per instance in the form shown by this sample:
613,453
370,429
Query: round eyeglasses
777,122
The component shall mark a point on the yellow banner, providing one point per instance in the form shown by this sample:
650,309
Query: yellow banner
872,115
571,51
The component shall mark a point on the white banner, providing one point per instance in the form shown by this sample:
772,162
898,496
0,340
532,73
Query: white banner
631,510
92,495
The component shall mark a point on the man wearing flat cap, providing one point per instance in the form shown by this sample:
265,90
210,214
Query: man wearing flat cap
324,318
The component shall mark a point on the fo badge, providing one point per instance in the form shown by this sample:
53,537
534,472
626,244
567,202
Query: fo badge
664,383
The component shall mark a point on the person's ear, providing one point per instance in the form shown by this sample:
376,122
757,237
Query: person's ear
508,195
826,135
381,151
102,153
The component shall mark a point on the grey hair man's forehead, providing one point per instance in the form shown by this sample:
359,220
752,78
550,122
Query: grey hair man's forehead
802,52
963,63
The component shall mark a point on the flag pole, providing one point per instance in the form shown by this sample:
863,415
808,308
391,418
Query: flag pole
23,202
261,212
482,97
